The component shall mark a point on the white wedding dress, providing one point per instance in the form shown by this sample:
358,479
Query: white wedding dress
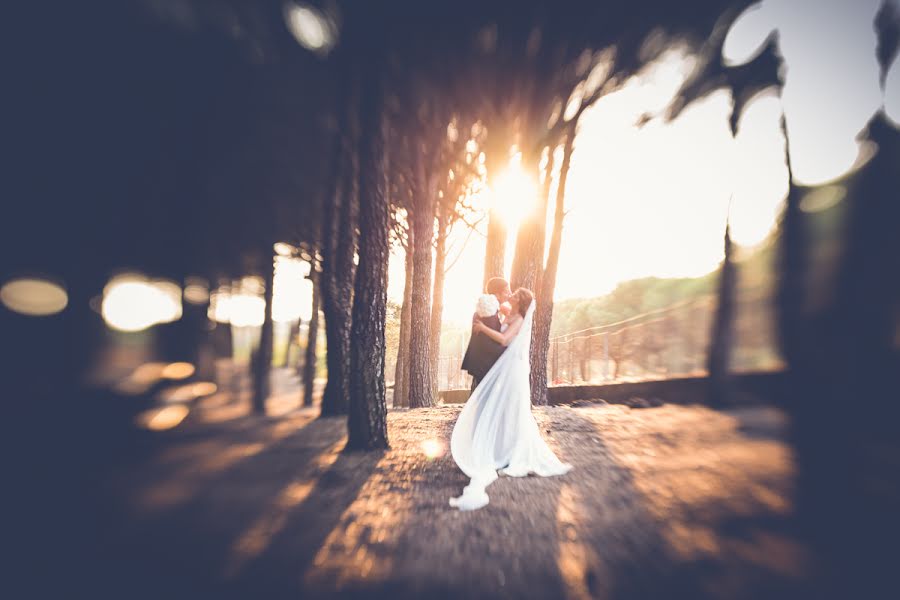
496,429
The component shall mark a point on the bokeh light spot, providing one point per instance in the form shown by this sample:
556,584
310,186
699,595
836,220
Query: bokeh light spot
33,297
432,448
310,27
160,419
178,370
132,302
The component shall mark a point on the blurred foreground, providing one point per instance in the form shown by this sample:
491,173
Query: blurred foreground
674,502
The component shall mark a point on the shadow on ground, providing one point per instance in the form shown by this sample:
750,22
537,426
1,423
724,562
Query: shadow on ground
673,502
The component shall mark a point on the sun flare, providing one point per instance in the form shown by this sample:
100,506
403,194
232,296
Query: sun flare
513,194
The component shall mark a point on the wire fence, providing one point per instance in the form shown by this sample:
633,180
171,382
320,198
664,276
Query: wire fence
669,342
657,344
450,373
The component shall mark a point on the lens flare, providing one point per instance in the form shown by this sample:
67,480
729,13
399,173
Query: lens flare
432,448
514,194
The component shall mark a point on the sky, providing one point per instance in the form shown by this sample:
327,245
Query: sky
653,200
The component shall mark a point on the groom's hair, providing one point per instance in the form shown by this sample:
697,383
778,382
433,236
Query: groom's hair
496,285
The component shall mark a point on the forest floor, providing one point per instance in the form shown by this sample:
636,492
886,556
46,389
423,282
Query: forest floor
666,502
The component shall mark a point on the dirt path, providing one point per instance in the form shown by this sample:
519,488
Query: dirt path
667,502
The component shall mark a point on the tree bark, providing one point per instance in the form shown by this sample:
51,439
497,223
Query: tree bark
540,335
262,358
367,420
495,248
338,269
401,372
437,296
312,335
792,262
496,155
419,343
294,337
528,261
839,337
844,398
719,358
222,341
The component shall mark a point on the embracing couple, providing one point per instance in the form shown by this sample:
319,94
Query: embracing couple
495,430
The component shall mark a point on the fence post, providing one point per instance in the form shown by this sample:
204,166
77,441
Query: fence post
606,356
587,341
555,376
571,344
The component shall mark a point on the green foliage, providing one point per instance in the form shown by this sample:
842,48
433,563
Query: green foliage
628,299
636,296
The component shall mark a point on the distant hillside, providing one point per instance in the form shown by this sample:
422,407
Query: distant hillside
637,296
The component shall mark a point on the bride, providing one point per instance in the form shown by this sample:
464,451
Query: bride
496,429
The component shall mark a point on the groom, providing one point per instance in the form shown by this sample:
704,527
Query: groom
483,352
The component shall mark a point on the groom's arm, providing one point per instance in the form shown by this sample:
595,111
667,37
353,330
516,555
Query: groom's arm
492,321
502,338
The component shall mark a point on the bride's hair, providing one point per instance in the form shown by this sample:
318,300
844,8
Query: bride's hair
524,297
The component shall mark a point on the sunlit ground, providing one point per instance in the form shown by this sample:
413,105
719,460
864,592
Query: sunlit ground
665,501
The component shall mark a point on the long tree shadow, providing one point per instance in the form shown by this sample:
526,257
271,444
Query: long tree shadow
306,528
663,506
187,548
397,536
664,515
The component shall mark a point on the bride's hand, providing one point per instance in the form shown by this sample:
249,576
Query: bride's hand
479,327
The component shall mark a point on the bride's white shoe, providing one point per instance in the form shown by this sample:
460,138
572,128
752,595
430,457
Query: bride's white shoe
472,498
470,501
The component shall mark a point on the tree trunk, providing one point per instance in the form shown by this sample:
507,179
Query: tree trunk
792,261
221,332
528,261
401,371
294,338
437,298
844,370
495,248
496,159
338,268
719,358
420,343
312,335
222,341
540,335
262,358
367,421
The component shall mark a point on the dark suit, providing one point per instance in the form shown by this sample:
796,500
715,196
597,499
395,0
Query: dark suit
482,352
